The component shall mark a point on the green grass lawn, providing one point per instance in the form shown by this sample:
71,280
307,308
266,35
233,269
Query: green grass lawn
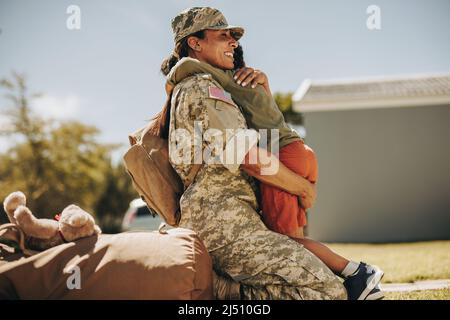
441,294
403,262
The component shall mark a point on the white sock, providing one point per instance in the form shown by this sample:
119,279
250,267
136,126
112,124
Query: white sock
350,269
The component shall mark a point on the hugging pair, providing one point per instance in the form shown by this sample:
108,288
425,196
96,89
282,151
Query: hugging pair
282,211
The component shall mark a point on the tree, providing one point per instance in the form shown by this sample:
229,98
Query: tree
284,102
31,127
113,202
55,163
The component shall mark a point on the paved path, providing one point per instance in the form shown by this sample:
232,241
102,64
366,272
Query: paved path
418,285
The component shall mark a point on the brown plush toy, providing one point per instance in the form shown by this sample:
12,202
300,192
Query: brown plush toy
73,223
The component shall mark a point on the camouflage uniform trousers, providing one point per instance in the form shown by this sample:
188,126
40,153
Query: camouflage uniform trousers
292,273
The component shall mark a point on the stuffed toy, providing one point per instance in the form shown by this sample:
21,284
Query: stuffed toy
40,234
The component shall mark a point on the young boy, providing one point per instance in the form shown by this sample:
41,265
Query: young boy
283,212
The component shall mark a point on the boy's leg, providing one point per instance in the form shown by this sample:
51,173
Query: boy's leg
361,280
333,260
281,210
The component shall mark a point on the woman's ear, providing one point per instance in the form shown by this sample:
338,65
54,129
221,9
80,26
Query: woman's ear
193,43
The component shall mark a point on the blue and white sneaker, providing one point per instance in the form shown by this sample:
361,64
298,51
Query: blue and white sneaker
363,283
375,294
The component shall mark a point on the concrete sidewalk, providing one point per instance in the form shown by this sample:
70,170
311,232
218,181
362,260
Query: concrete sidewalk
418,285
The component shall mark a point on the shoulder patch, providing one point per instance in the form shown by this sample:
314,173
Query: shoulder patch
220,94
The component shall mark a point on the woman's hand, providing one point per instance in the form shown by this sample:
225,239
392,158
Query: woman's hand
308,197
248,76
282,177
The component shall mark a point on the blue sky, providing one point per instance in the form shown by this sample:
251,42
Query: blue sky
107,73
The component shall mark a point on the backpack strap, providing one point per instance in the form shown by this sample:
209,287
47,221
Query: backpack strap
190,178
13,232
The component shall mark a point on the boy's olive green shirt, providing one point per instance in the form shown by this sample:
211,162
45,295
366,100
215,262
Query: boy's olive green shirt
259,109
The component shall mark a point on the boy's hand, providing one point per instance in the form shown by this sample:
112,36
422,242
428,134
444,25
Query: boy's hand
249,76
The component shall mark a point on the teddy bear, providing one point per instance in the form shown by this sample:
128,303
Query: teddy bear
40,234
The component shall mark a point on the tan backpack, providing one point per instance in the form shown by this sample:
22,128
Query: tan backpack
147,162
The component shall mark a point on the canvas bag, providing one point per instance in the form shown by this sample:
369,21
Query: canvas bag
146,270
147,163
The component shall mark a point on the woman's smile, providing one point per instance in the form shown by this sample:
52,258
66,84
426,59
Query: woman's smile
229,54
217,49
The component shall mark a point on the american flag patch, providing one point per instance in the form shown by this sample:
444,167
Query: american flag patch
217,93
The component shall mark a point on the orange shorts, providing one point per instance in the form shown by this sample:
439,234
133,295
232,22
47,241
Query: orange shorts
280,209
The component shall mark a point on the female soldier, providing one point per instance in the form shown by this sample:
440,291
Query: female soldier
220,205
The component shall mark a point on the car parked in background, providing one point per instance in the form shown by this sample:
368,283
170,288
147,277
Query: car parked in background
139,218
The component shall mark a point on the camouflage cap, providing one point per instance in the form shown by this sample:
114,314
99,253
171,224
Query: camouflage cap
195,19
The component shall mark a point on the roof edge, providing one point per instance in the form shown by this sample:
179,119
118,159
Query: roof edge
359,104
